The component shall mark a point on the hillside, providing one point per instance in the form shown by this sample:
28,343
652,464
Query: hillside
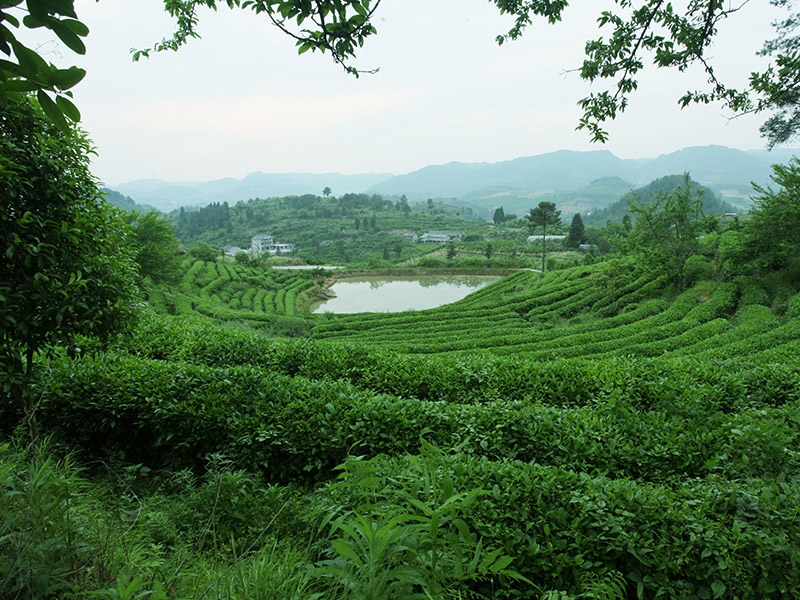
557,170
599,193
559,176
578,313
168,196
124,202
337,229
720,168
616,211
579,414
622,426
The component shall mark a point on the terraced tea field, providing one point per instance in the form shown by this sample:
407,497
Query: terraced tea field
226,290
574,313
610,437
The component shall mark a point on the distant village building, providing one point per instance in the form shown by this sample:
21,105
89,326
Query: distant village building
441,237
232,250
547,238
408,234
261,244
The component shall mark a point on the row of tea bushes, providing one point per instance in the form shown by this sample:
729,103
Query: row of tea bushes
174,414
646,383
640,325
225,291
702,539
500,331
579,313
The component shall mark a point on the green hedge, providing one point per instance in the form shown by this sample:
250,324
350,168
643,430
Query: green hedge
173,414
648,383
701,539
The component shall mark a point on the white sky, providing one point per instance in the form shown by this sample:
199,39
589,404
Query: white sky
240,99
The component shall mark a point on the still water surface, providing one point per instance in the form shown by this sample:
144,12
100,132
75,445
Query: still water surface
396,293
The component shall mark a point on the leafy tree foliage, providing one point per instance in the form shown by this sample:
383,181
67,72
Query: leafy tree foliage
157,248
214,215
543,215
667,230
335,26
203,251
24,70
402,204
772,235
576,229
617,212
67,263
779,85
673,37
677,38
499,215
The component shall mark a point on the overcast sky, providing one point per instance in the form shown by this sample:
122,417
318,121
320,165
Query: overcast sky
241,100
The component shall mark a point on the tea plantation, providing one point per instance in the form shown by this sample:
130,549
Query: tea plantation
586,434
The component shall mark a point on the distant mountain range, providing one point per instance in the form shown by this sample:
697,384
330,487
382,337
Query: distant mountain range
167,196
575,181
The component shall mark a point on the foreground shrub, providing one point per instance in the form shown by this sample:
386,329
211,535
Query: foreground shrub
50,543
565,532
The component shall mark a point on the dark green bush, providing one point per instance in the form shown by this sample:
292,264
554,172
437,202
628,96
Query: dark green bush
697,268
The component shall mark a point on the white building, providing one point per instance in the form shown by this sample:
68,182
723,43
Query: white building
547,238
441,237
261,244
232,250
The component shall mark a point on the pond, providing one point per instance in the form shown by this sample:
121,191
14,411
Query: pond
396,293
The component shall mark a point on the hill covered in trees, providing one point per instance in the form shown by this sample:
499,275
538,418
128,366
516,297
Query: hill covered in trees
615,212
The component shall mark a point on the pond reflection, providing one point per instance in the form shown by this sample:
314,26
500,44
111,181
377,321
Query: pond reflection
397,293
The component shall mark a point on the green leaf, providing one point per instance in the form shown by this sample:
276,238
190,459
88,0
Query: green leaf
463,530
447,487
20,85
32,22
51,109
69,37
345,550
56,7
718,588
30,63
489,559
77,27
518,576
64,79
9,67
501,563
68,108
10,19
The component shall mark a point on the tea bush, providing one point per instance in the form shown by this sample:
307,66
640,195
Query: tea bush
633,425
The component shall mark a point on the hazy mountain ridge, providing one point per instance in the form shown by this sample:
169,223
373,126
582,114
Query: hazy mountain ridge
568,178
713,166
167,196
